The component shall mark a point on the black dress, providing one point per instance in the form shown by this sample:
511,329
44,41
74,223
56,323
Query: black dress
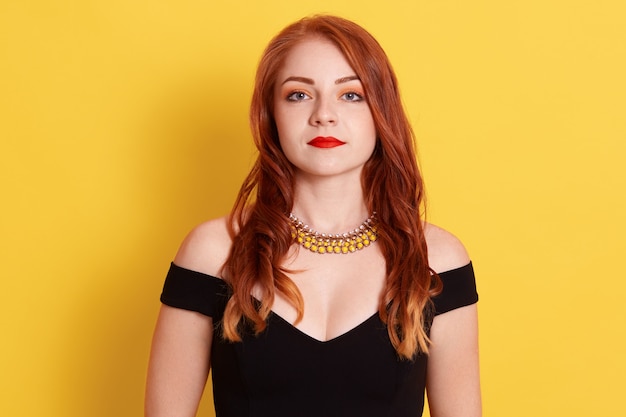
283,372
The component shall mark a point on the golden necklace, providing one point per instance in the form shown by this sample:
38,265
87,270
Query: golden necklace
342,243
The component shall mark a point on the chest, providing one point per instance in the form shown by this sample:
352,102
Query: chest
339,291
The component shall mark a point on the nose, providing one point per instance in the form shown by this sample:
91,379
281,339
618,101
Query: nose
324,113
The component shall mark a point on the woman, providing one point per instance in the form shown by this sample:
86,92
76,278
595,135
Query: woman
295,323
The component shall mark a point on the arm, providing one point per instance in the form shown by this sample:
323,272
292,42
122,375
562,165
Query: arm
181,346
179,363
453,382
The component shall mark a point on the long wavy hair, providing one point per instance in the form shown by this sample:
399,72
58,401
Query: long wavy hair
392,186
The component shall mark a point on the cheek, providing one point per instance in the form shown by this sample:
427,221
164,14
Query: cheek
285,132
369,127
281,117
289,123
282,129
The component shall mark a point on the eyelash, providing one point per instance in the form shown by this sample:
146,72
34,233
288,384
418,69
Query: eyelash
357,96
290,96
299,96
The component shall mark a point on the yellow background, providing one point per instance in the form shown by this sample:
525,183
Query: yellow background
124,123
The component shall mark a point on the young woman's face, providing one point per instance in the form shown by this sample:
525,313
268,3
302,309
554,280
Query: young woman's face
324,123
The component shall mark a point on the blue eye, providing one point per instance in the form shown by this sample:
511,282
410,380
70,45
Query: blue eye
352,96
297,96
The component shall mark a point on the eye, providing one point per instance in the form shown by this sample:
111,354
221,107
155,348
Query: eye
298,96
352,96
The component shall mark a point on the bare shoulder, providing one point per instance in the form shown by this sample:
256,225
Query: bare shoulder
206,247
445,251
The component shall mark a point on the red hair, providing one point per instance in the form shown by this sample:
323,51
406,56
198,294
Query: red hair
392,186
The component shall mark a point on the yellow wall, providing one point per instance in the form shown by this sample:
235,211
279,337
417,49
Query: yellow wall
123,124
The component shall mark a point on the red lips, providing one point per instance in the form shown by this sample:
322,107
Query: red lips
325,142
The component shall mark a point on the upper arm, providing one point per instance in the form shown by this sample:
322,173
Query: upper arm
179,362
453,380
181,345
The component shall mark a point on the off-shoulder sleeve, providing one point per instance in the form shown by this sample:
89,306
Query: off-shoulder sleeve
195,291
459,289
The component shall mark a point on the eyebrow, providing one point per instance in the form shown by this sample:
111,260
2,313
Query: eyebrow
311,82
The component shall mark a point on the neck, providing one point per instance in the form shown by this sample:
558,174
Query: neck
330,206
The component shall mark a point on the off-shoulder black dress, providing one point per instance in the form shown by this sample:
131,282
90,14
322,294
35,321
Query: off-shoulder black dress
285,373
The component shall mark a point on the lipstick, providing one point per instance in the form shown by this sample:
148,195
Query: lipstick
325,142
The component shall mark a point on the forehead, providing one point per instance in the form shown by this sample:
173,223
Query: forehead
315,57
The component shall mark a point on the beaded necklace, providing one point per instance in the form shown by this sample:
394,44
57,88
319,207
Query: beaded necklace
342,243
